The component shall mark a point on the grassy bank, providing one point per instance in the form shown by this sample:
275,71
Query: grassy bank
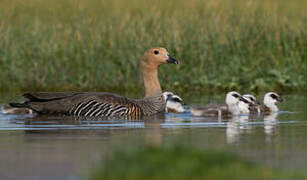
97,45
183,162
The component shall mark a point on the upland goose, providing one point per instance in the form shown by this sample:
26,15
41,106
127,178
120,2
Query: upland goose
269,104
174,104
96,104
230,108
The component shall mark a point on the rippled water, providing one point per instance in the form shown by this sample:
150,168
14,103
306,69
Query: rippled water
67,148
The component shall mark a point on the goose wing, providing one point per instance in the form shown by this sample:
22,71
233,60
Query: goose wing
80,104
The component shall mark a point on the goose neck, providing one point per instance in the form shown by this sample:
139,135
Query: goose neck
150,79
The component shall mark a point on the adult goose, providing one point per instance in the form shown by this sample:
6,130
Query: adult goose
101,104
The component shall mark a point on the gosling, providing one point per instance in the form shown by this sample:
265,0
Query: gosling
174,104
246,104
269,104
230,109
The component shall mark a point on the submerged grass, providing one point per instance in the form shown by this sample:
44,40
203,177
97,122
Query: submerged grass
97,44
183,162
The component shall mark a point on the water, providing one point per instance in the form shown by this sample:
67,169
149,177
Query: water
69,148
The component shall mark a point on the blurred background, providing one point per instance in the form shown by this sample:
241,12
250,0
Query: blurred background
96,45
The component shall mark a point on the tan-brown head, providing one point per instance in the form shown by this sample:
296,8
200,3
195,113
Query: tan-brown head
150,63
156,56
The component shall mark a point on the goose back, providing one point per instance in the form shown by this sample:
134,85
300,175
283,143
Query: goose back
91,104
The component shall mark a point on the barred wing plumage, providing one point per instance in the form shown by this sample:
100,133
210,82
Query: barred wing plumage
96,104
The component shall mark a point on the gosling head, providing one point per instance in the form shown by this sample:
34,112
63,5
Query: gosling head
251,99
270,99
173,103
245,103
156,56
232,100
233,97
167,94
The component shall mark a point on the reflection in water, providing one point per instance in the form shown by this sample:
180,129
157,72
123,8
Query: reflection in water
239,125
232,130
235,126
153,131
270,123
72,145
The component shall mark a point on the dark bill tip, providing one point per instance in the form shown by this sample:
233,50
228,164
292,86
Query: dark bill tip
241,98
171,60
280,99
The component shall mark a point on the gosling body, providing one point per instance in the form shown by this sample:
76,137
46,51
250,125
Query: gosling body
5,109
230,109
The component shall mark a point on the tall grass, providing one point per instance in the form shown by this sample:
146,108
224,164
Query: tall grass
97,44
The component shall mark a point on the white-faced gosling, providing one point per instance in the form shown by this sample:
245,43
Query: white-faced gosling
231,108
269,104
245,105
174,104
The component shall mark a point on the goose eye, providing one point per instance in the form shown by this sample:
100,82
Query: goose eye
235,95
273,96
156,52
176,100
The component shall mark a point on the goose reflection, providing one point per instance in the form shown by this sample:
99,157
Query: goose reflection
235,127
270,122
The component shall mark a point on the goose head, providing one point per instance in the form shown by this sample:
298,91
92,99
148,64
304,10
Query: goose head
232,100
233,97
173,103
252,99
150,63
245,103
156,56
270,99
167,94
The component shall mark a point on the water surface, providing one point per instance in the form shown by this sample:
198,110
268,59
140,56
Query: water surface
68,148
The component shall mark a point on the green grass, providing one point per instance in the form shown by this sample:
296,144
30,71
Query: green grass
97,44
183,162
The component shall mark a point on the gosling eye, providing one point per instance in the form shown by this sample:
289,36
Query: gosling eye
177,99
156,52
273,96
235,95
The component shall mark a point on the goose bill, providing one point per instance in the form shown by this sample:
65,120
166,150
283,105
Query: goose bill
171,60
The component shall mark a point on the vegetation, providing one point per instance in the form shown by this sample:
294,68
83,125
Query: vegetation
182,162
97,44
